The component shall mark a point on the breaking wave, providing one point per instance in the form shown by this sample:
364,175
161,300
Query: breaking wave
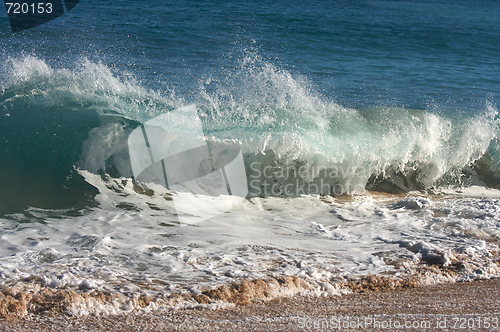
56,121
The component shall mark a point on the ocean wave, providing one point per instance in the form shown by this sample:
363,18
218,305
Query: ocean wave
55,120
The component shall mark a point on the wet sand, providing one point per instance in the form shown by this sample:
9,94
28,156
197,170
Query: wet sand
444,307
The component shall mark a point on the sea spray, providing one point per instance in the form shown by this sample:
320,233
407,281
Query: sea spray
81,117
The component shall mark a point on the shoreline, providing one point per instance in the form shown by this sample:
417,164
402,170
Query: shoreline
445,306
435,290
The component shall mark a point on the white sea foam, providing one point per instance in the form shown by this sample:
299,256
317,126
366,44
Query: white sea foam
133,240
132,243
276,119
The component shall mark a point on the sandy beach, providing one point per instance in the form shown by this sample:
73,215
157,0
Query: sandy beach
250,165
445,307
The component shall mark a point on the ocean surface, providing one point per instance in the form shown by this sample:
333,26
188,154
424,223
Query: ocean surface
369,132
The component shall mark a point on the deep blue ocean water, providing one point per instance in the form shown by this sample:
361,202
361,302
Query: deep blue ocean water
398,53
397,101
390,64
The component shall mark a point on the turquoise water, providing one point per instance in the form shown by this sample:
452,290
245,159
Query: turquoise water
256,69
363,97
391,85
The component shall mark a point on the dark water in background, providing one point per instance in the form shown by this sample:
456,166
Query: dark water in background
399,85
401,53
397,97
